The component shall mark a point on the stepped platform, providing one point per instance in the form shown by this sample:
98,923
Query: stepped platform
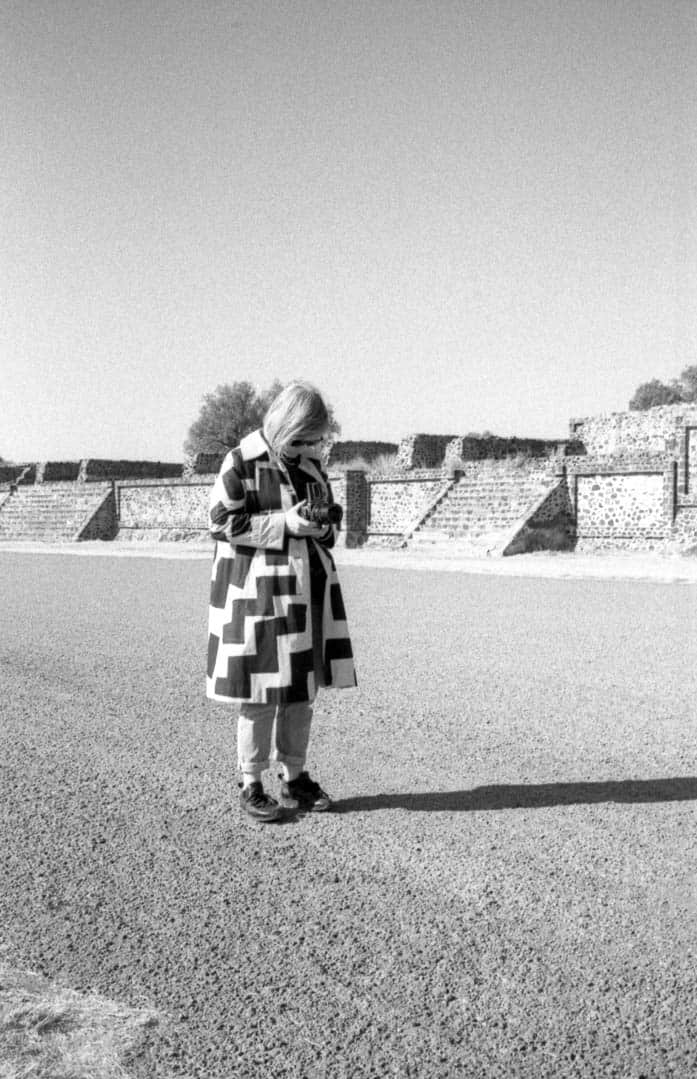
481,509
50,512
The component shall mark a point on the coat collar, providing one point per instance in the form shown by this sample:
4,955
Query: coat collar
309,465
255,445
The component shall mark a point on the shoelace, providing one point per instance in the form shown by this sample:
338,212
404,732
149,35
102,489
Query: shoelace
261,798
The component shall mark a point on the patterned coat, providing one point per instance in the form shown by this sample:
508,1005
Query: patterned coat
260,643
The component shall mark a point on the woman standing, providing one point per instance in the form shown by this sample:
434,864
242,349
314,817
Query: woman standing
277,624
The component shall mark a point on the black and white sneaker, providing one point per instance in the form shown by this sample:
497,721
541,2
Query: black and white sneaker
304,793
259,804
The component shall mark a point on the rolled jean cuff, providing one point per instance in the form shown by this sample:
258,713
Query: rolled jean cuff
252,766
286,758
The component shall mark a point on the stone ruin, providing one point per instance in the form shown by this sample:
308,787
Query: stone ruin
624,480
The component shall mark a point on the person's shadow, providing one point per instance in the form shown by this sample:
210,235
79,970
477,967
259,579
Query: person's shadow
529,796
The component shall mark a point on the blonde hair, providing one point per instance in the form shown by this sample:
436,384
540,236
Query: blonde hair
297,412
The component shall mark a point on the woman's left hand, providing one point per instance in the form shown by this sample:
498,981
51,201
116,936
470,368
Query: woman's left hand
297,525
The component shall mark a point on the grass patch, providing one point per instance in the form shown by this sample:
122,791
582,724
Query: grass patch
50,1032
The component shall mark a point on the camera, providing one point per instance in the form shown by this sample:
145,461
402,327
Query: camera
319,509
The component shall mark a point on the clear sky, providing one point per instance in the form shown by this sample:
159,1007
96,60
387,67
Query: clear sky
451,215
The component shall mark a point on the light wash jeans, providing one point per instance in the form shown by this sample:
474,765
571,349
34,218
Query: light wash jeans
268,732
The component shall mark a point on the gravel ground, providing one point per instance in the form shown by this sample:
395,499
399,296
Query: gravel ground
508,885
618,565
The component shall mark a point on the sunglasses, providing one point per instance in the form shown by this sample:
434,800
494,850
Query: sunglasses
308,441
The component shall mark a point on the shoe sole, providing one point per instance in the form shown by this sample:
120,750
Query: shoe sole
305,807
264,817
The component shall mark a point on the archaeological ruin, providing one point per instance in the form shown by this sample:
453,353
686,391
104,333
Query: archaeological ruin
620,481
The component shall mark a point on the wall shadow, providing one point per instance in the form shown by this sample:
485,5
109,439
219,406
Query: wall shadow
529,796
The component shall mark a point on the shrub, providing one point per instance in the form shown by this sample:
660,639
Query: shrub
61,470
12,473
102,469
344,454
206,464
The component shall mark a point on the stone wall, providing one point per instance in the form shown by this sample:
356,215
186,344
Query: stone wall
178,509
631,481
685,529
621,506
491,447
636,488
395,504
623,495
351,492
689,486
656,430
422,451
617,510
625,501
448,451
173,510
338,485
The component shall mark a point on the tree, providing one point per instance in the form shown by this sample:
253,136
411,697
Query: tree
229,413
688,383
653,393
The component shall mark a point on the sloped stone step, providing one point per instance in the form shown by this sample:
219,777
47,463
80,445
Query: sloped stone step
51,513
478,513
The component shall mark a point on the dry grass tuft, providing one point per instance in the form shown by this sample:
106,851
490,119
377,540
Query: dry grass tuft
50,1032
383,463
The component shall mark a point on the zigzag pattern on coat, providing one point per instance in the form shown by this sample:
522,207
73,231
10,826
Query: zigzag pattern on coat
294,621
237,574
238,676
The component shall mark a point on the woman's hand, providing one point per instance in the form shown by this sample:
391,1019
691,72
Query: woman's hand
297,525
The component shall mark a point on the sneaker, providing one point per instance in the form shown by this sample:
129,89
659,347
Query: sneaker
260,805
304,793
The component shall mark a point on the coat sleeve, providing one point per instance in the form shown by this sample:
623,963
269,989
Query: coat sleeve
228,516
